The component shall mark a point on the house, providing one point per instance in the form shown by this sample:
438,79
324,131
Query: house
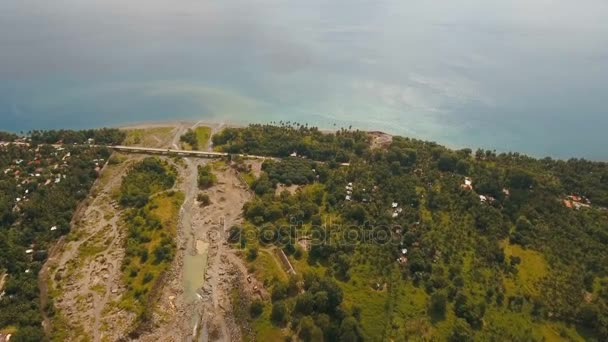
468,183
395,214
394,204
404,251
29,251
576,202
483,198
347,197
293,154
53,228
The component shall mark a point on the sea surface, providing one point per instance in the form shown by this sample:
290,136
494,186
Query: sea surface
523,75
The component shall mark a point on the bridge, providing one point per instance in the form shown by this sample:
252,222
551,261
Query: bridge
182,153
185,153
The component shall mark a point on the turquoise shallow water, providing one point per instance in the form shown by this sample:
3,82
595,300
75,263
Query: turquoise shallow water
508,74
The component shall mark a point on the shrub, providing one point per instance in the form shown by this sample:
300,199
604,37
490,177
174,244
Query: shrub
279,313
204,199
256,308
252,253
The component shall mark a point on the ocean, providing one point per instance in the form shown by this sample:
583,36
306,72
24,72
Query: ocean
511,75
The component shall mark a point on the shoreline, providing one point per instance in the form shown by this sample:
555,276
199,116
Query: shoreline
190,123
231,124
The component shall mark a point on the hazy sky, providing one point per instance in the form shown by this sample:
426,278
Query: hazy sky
525,75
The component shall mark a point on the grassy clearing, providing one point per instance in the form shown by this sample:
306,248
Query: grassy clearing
301,266
265,330
267,268
532,269
203,134
248,177
148,137
64,331
359,292
555,332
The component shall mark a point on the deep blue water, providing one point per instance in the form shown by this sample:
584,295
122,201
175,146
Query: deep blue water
524,75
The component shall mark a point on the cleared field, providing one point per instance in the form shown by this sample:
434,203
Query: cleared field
149,137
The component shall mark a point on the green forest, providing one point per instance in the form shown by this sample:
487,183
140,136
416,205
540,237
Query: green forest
102,136
414,241
284,139
40,187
